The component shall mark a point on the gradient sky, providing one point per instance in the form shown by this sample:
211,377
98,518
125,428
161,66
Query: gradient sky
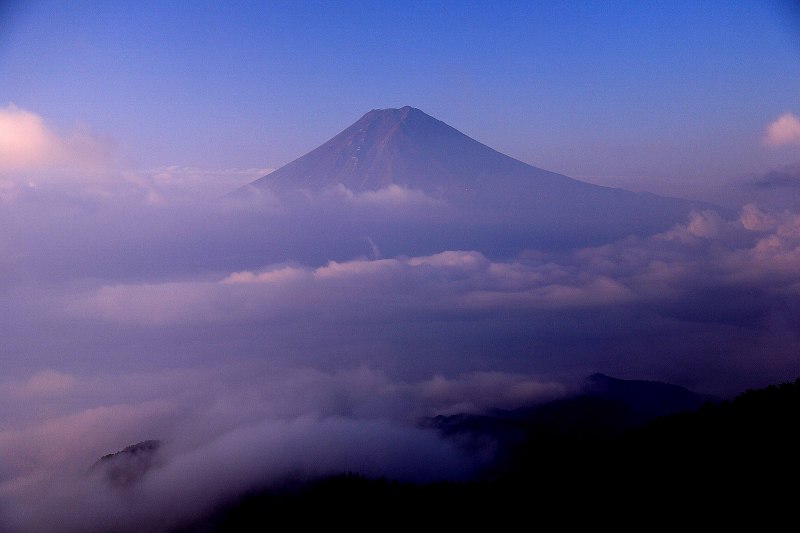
671,97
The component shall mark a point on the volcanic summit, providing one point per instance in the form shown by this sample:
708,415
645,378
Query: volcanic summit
408,148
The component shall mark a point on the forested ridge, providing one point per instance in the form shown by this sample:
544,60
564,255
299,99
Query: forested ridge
724,462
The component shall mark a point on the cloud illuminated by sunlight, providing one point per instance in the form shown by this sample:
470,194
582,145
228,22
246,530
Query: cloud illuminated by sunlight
24,140
28,144
783,130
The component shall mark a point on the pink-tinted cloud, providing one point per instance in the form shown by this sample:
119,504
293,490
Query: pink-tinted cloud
25,142
35,158
785,130
28,144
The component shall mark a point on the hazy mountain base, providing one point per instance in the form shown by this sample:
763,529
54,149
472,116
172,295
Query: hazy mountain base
394,154
722,464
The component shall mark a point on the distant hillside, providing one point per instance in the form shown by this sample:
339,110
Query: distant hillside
129,465
603,409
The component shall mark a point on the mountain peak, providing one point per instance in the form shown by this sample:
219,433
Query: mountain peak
410,149
407,116
404,147
400,112
388,120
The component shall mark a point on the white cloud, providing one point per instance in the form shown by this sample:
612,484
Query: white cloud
783,130
393,195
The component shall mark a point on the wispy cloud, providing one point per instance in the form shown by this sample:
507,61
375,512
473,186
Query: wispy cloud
391,195
47,383
478,392
181,183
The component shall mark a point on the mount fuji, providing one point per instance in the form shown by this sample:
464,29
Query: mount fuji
409,149
413,185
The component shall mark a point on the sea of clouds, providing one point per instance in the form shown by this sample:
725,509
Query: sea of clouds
266,339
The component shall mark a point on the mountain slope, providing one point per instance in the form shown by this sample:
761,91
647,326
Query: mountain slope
410,149
403,147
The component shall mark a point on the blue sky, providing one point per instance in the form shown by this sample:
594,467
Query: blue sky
663,96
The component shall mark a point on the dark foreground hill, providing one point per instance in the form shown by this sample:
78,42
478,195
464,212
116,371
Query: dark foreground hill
603,409
724,464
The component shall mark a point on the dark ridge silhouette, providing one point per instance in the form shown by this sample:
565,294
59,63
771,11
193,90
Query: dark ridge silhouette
724,464
605,407
645,399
